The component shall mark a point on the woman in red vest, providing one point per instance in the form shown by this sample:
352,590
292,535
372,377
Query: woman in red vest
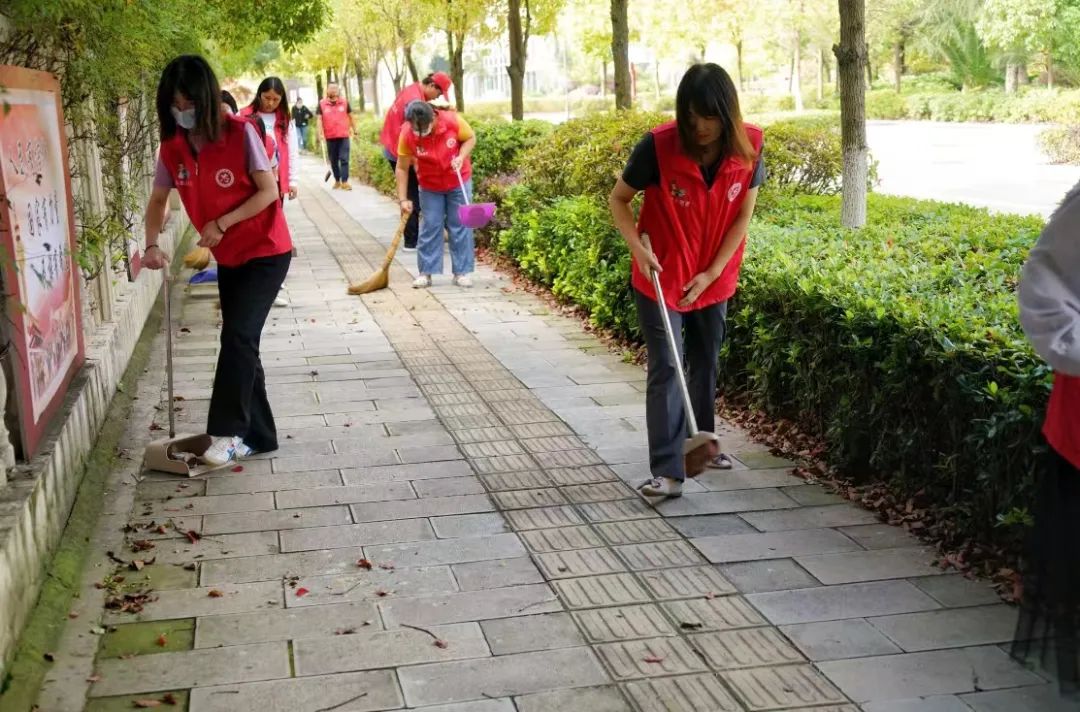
1050,313
335,119
429,88
271,107
439,144
219,166
700,175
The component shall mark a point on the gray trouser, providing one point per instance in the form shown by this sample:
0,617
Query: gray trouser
701,333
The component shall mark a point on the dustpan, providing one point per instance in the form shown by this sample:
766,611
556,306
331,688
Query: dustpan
177,454
473,215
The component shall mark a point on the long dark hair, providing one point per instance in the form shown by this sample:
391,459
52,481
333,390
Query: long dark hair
278,87
707,90
190,76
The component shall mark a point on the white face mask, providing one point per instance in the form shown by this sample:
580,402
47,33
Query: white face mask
184,119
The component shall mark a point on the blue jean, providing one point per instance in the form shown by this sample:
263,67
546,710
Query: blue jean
436,210
301,135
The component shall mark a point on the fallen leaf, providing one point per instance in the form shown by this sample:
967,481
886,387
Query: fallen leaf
214,593
161,529
142,545
192,535
710,596
94,678
301,592
691,626
364,564
440,643
162,641
653,659
345,631
50,657
137,564
73,615
169,699
155,426
238,468
386,567
382,594
147,704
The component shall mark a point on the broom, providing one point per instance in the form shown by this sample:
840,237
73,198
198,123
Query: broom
198,258
381,278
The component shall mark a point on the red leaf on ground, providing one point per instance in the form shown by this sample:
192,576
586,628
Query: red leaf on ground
169,698
161,529
440,643
301,592
382,594
162,641
238,468
653,659
142,545
364,564
193,536
214,593
155,426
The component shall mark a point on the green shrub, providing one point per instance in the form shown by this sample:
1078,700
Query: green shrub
1061,145
585,156
804,155
886,105
500,143
1027,106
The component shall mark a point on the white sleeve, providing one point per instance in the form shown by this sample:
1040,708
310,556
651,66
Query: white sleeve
294,156
1049,290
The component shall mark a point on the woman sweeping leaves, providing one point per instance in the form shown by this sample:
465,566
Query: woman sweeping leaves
1050,313
218,164
700,174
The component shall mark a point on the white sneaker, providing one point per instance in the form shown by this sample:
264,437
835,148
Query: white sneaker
280,301
463,280
422,282
244,450
222,450
408,249
662,487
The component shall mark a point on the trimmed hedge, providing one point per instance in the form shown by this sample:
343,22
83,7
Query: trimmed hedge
1029,106
1061,145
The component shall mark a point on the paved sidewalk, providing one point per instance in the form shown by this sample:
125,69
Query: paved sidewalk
479,455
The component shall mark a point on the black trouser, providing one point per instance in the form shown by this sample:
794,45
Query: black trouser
238,405
412,227
337,150
701,333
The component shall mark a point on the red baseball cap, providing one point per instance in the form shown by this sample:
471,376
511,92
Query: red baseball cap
443,81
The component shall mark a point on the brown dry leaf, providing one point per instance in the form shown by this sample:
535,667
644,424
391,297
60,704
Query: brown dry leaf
142,545
214,593
162,641
147,704
191,567
137,564
94,678
653,659
440,643
364,564
382,594
169,699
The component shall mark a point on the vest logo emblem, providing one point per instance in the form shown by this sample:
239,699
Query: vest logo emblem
182,174
733,192
224,178
679,194
451,142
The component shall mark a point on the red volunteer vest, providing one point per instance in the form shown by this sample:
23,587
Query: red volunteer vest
279,144
218,182
335,118
1062,426
434,152
686,220
395,118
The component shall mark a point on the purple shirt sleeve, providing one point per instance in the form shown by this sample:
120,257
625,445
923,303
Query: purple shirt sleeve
257,160
162,177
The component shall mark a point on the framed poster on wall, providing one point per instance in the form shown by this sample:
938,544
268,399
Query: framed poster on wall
41,309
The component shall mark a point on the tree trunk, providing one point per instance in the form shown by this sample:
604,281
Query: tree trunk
851,62
656,68
329,77
345,86
820,75
375,84
361,99
1049,70
1012,77
603,80
457,70
516,68
319,86
796,73
620,53
898,64
410,63
739,62
1022,77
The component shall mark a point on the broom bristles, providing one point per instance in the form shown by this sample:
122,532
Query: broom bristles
198,258
381,279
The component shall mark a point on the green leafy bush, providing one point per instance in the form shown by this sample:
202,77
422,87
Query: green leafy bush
804,155
1061,145
500,143
1027,106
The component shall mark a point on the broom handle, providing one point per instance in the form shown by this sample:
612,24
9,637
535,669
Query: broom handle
168,352
691,421
461,182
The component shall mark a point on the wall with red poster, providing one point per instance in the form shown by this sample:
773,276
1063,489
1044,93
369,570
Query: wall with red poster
37,237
